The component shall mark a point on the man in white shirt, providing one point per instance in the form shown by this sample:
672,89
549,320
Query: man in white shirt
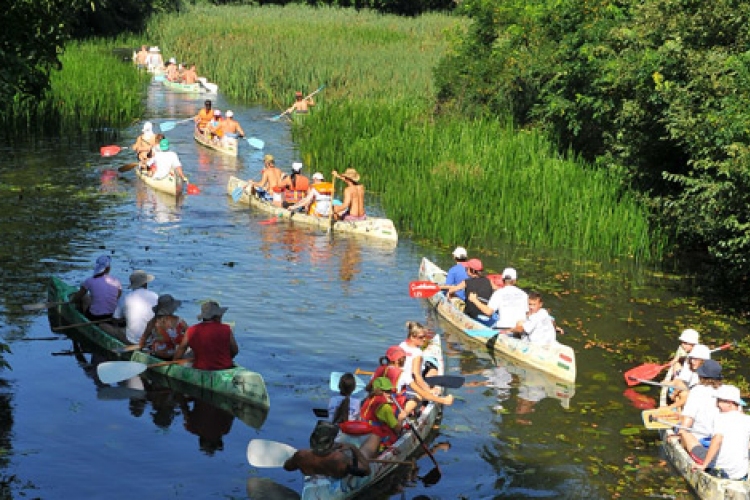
164,162
538,327
137,307
510,302
700,408
726,456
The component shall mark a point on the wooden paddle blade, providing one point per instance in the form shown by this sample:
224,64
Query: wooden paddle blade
112,372
39,306
265,453
646,371
668,416
128,167
111,150
423,289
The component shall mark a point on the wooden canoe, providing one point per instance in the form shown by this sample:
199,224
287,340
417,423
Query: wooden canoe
183,87
170,184
557,360
706,486
230,150
373,227
325,488
235,383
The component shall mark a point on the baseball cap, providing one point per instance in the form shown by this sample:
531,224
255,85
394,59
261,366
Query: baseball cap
394,353
700,352
229,114
729,393
690,336
709,369
296,166
318,175
510,274
460,253
475,264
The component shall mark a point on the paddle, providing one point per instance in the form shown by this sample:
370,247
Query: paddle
668,416
111,372
43,305
449,381
336,376
268,222
192,188
423,289
434,475
211,87
649,382
278,117
266,453
128,167
76,325
111,150
237,193
648,371
256,143
167,126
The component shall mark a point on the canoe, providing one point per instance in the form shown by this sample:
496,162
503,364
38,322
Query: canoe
326,488
183,87
372,227
235,383
170,184
230,150
706,486
558,360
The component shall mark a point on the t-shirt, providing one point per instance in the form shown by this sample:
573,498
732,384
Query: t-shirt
511,304
457,274
483,288
210,343
734,427
701,407
104,291
407,375
137,308
539,328
165,161
335,402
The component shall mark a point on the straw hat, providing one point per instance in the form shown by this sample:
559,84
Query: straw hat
138,278
351,174
166,305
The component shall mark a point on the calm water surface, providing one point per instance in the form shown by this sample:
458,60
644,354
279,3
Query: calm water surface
303,305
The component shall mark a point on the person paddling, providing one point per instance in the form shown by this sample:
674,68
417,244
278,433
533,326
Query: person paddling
353,206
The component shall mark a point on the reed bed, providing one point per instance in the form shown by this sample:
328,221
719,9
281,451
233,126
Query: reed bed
449,179
92,92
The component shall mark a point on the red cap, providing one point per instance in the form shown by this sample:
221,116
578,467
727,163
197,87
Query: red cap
394,353
475,264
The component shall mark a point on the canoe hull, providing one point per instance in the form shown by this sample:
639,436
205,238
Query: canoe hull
382,229
557,360
230,150
187,88
324,488
236,383
170,184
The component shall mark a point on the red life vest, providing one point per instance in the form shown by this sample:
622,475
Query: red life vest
370,406
296,188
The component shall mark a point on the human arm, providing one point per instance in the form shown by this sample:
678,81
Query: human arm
304,202
474,299
421,387
291,463
233,347
147,333
180,351
454,288
713,450
79,295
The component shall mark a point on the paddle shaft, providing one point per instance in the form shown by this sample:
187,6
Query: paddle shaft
43,305
416,434
77,325
454,382
652,418
289,110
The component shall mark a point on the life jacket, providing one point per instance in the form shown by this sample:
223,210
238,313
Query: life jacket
368,411
296,188
321,205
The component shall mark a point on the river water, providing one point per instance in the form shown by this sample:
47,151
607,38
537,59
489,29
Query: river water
303,305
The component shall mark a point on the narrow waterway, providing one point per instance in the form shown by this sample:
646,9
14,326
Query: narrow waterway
303,304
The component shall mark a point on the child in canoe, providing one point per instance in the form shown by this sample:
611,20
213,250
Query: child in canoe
391,367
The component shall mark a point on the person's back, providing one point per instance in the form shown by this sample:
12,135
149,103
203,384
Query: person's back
164,162
481,286
733,425
344,407
326,457
295,185
103,289
141,57
353,206
213,343
190,76
511,304
137,306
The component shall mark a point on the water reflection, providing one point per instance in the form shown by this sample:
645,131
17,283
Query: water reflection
157,206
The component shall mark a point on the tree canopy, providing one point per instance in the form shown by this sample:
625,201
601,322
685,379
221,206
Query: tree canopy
654,90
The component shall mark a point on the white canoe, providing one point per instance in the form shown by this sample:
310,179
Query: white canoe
372,227
230,149
183,87
170,184
706,486
557,359
326,488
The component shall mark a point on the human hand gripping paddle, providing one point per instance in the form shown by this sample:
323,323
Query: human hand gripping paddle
289,110
647,371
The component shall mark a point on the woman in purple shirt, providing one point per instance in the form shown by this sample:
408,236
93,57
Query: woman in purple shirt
103,292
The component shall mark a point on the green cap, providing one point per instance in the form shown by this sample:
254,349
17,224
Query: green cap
164,144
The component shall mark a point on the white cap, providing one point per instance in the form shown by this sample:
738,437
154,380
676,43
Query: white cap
318,175
148,127
700,352
229,113
510,274
460,253
296,166
729,393
173,60
690,336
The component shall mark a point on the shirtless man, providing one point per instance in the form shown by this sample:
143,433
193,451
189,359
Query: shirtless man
327,457
270,180
353,207
301,105
140,57
232,129
190,76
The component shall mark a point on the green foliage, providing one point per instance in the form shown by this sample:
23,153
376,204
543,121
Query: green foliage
656,91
